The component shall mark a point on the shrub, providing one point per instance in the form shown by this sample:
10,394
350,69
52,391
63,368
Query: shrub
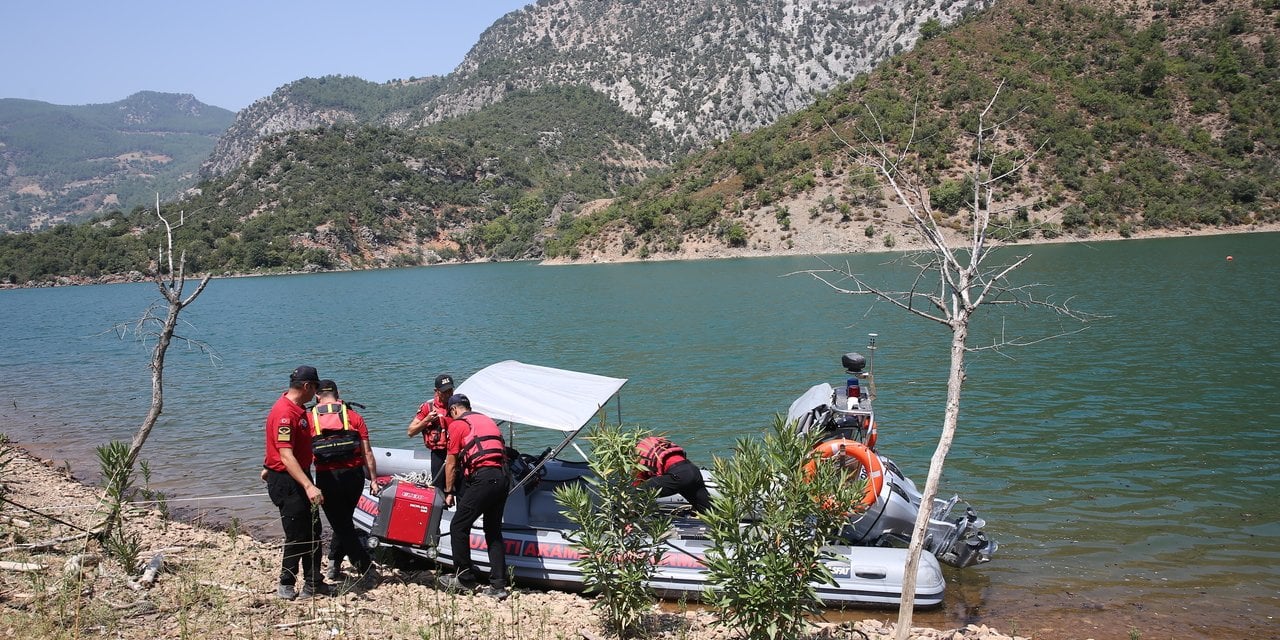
736,235
764,572
950,196
620,529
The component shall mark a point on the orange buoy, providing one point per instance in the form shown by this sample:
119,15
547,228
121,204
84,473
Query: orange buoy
872,469
1229,258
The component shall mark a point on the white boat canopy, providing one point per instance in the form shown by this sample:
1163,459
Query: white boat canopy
537,396
818,395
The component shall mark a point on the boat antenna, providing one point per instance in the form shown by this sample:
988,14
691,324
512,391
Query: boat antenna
871,365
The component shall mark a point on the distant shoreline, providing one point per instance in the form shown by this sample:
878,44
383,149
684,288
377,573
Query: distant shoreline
696,252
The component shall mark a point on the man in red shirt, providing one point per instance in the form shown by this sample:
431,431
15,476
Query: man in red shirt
287,469
432,421
477,447
340,444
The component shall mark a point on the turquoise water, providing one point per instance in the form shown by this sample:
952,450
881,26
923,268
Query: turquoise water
1129,471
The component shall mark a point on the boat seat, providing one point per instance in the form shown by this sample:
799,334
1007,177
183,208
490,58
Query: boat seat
562,471
544,511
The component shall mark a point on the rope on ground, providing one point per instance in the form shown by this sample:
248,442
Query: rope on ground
45,515
139,503
290,625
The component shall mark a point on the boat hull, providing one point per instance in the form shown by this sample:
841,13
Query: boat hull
539,553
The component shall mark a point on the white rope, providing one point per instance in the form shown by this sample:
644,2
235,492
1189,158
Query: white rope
165,501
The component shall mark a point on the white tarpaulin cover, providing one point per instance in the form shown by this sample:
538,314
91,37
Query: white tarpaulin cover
817,395
538,396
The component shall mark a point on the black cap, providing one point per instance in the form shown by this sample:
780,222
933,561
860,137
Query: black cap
444,381
305,373
458,398
328,386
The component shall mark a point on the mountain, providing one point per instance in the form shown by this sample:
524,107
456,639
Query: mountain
490,183
68,163
1149,117
1156,115
695,70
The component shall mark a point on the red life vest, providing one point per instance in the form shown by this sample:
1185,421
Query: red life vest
484,446
436,435
658,454
332,438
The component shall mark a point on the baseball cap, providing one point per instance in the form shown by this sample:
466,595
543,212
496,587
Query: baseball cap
458,398
328,386
444,381
305,373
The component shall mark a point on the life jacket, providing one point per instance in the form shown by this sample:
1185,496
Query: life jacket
658,454
484,446
332,438
436,435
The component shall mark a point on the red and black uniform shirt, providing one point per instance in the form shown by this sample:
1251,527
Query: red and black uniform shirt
287,428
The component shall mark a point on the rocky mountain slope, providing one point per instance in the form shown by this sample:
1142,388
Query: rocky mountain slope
696,71
66,163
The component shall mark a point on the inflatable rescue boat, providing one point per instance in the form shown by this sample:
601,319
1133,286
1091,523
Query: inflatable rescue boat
543,408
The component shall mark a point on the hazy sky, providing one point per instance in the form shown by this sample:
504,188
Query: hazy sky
228,53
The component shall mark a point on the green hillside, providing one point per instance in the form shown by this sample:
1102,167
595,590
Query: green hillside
341,197
1145,114
1163,115
70,162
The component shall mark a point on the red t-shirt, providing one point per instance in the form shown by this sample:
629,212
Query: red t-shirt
356,421
287,428
438,406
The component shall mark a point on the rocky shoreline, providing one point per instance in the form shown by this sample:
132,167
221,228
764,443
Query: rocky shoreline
800,240
221,583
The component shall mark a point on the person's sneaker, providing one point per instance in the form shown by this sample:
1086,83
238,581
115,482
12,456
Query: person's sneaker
286,592
334,573
495,593
453,584
310,590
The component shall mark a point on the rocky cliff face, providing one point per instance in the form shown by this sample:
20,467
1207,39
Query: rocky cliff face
697,70
277,113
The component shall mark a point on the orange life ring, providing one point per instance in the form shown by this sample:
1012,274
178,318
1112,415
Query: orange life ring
872,467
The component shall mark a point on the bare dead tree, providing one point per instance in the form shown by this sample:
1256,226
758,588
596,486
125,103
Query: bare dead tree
151,326
951,282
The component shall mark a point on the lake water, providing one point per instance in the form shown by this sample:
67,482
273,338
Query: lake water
1130,471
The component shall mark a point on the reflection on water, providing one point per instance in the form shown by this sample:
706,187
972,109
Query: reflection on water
1124,470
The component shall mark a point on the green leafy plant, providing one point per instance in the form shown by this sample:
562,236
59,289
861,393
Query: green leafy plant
117,480
620,529
768,528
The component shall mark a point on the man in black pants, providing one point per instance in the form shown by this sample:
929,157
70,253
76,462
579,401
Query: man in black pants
340,444
667,469
287,471
481,454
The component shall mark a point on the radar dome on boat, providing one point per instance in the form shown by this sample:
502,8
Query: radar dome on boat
853,362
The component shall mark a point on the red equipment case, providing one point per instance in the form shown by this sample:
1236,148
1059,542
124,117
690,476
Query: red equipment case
409,514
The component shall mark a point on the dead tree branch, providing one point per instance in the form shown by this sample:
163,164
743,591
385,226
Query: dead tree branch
953,278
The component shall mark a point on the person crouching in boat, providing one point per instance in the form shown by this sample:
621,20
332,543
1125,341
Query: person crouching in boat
482,455
667,469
